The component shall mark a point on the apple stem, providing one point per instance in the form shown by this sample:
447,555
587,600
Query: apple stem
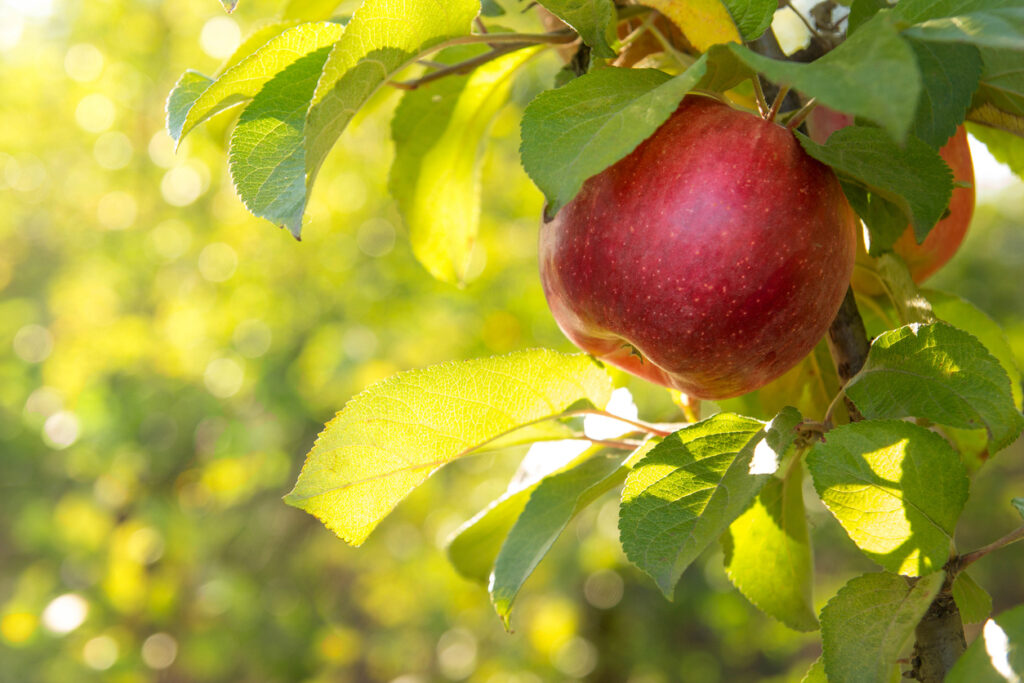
762,103
777,104
802,114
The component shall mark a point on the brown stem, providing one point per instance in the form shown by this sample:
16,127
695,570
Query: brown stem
464,67
939,640
970,558
849,345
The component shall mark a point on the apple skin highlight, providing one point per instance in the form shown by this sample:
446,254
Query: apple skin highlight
710,260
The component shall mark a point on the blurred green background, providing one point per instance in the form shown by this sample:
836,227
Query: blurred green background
166,361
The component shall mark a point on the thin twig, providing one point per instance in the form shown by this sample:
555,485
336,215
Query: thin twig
820,39
802,114
461,67
970,558
648,427
762,103
777,104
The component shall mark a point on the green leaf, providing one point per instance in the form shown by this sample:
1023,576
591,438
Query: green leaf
1019,504
768,553
553,504
309,10
939,373
966,316
914,177
1002,82
254,41
950,75
383,37
265,156
391,437
474,546
861,12
691,487
846,79
896,488
440,132
582,128
973,601
865,626
592,19
752,17
997,654
1005,147
884,219
917,11
184,94
816,674
996,28
243,81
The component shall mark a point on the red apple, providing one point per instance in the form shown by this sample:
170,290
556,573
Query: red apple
710,260
944,239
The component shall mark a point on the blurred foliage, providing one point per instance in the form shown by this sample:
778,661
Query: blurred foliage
166,361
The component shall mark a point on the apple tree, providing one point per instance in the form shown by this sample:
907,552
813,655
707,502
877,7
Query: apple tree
743,224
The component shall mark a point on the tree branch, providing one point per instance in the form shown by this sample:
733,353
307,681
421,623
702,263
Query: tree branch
849,345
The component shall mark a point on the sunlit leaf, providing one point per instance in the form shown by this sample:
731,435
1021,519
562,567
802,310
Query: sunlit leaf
939,373
691,487
582,128
382,37
897,488
995,28
440,132
266,151
391,437
703,22
553,504
768,553
186,91
1006,147
866,625
243,81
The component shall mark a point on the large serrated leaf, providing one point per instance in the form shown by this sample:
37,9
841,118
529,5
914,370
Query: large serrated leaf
390,438
950,74
703,22
997,654
580,129
913,177
995,28
244,80
186,91
552,505
692,486
896,488
846,79
1005,147
768,553
866,625
963,314
265,156
382,37
917,11
440,132
939,373
592,19
752,17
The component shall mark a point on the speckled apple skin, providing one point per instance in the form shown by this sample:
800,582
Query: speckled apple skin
710,260
945,238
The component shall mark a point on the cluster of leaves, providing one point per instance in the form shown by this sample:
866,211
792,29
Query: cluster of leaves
892,481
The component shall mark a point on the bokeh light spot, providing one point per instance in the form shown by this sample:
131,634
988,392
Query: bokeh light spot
83,62
252,338
65,613
603,589
61,429
100,653
113,150
220,37
17,627
95,113
576,658
376,237
217,262
223,377
181,186
456,654
159,651
33,343
117,210
170,239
